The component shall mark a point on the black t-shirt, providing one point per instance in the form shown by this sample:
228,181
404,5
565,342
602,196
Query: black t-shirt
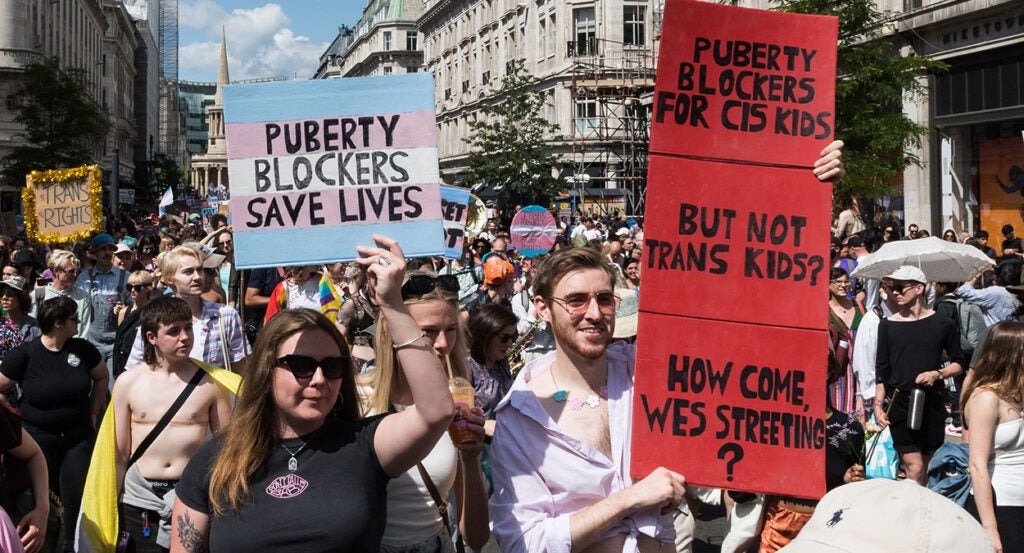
909,348
335,500
55,384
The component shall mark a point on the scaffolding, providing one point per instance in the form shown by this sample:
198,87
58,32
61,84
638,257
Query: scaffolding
612,86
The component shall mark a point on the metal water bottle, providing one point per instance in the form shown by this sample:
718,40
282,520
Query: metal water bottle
916,412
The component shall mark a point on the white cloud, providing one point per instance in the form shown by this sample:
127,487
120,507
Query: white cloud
260,43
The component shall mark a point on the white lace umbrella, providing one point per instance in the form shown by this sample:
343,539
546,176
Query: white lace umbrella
940,260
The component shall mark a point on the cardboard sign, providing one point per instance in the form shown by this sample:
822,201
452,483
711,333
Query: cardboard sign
318,167
126,195
455,207
732,340
744,84
718,246
744,399
533,230
63,205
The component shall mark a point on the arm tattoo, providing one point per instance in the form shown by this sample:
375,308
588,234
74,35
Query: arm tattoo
191,539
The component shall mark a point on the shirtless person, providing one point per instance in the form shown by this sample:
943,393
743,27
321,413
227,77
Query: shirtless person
141,398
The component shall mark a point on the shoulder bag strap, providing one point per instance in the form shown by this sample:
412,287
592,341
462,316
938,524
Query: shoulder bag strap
166,419
442,507
223,339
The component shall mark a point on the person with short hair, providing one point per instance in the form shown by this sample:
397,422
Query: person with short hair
910,346
64,386
104,283
217,329
141,397
65,267
981,242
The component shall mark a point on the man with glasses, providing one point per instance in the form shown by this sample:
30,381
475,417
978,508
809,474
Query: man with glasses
561,449
912,231
65,268
141,397
910,346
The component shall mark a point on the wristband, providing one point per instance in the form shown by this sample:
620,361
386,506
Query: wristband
409,342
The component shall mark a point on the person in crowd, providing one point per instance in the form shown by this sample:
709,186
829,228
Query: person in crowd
996,302
844,316
992,407
5,250
540,340
104,283
65,268
785,516
850,220
141,399
356,320
910,347
259,284
614,254
299,289
25,261
140,287
981,242
949,236
633,275
415,521
1011,244
889,234
167,244
147,249
498,285
970,321
124,257
271,480
226,274
492,331
11,270
217,329
17,303
64,385
923,233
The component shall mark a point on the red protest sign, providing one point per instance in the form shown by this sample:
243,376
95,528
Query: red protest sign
730,405
736,251
744,84
736,242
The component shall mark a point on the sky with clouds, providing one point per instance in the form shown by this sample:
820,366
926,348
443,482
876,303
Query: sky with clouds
264,39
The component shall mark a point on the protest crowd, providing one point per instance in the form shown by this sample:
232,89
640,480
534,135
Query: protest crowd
157,396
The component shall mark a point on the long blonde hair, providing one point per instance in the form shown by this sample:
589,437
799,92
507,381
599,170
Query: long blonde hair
387,377
249,437
1000,367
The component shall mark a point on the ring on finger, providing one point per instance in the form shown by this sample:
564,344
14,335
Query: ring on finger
383,260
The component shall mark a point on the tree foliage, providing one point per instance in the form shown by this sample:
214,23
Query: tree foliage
62,125
873,81
509,143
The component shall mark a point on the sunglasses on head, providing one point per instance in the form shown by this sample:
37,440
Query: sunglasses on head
419,285
304,366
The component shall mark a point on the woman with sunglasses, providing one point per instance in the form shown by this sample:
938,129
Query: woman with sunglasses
844,317
492,331
297,468
63,381
65,267
414,520
16,301
140,287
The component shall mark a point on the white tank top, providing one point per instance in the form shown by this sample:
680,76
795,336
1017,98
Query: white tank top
1007,465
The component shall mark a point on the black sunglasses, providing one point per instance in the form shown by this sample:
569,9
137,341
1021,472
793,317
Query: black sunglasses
133,287
304,366
419,285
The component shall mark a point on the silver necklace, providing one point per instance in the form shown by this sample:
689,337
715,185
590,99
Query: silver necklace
293,463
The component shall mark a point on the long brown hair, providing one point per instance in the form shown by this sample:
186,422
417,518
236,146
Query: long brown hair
1000,367
387,377
249,437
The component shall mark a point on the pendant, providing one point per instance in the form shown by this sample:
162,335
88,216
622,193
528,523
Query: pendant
593,401
560,395
293,464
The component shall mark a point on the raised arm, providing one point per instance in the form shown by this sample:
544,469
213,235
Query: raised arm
403,439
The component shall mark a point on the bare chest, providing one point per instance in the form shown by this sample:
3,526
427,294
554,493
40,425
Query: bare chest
586,424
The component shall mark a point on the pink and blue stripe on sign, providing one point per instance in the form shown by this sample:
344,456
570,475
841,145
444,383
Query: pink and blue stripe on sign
317,167
533,231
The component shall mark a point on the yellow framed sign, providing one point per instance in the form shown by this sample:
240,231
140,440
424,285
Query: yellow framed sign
63,205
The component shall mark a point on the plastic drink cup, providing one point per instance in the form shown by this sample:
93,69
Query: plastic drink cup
464,396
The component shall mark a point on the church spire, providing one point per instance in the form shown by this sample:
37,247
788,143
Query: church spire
222,76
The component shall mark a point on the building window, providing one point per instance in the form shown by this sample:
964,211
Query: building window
411,42
586,117
387,41
633,29
911,5
543,38
586,31
387,70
